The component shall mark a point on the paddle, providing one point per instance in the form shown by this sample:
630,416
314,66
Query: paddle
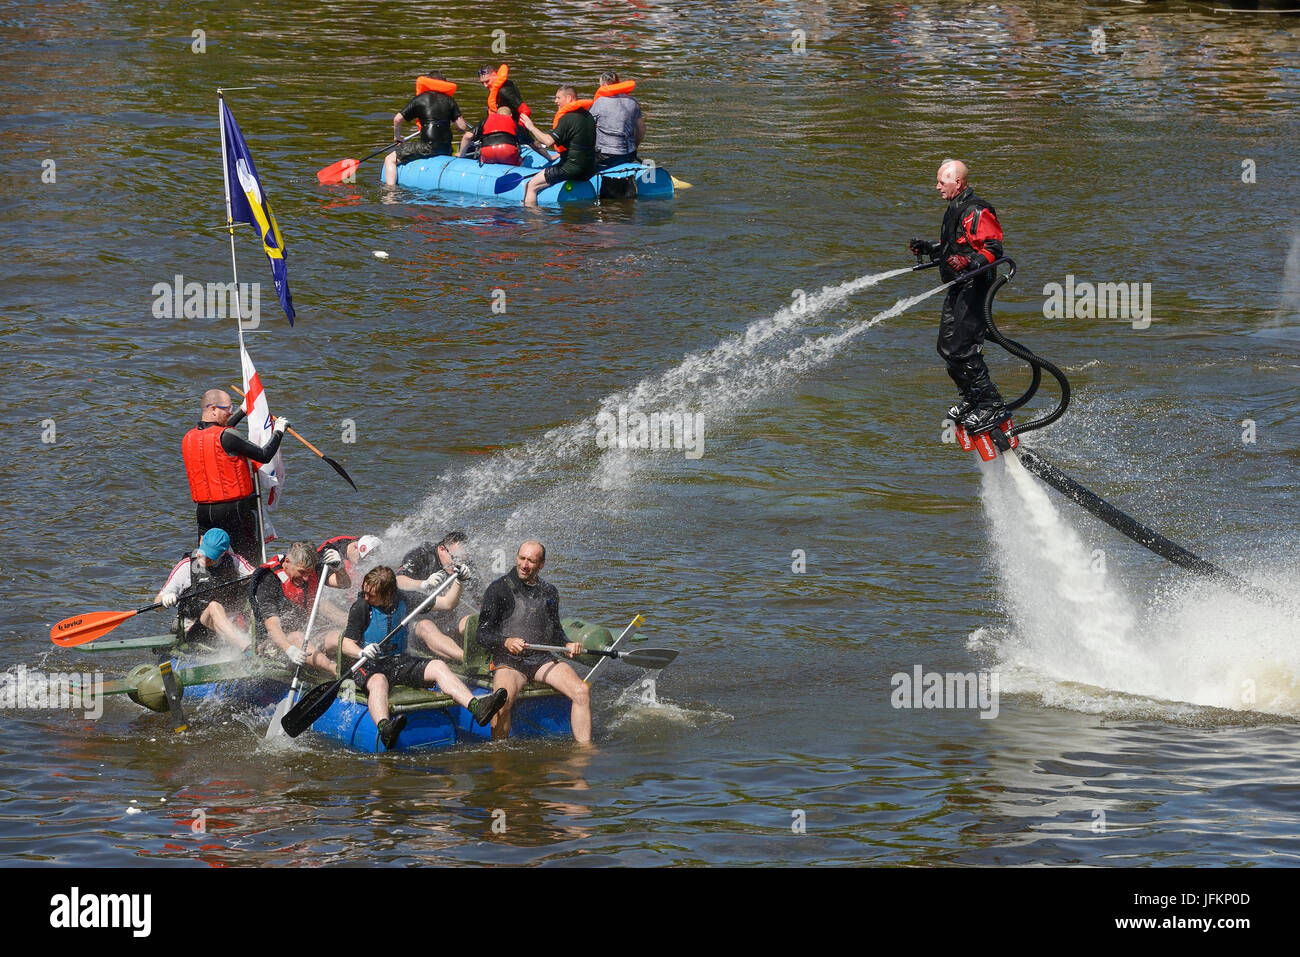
328,461
80,629
652,658
274,729
336,172
637,621
318,700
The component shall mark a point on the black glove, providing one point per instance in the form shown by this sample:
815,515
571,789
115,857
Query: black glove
923,247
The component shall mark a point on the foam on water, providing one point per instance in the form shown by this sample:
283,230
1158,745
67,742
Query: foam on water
567,484
1081,638
639,704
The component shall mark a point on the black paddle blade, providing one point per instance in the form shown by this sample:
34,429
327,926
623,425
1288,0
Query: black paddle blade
651,658
313,704
341,470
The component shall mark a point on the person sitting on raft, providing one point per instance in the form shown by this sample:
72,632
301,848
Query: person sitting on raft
426,567
377,612
503,97
283,592
217,613
435,111
573,133
620,125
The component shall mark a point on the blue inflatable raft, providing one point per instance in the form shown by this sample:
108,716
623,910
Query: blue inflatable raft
455,174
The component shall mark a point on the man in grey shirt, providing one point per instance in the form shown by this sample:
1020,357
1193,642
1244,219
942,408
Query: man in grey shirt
620,125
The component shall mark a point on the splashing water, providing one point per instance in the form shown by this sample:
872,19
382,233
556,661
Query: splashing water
561,474
1076,631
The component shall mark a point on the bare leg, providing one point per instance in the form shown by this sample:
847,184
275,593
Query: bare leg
390,169
535,185
564,679
437,642
215,619
377,698
437,672
513,681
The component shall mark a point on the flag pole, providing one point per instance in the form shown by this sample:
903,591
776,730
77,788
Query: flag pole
239,306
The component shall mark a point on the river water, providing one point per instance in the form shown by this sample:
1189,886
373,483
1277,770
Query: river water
825,543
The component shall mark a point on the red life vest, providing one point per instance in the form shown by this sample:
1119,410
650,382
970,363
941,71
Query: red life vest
291,591
500,123
214,474
340,544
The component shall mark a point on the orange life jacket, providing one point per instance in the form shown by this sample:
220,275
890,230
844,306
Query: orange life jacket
569,108
614,89
214,474
423,84
499,123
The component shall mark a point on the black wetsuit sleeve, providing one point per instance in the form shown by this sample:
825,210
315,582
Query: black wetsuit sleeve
412,111
492,613
269,601
357,615
239,415
236,444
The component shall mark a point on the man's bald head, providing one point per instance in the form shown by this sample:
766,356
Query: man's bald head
951,178
216,406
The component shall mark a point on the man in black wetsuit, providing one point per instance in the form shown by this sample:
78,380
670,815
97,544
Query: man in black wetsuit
519,608
437,112
574,134
971,238
216,465
427,566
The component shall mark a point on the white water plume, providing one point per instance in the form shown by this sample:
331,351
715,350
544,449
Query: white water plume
719,383
1078,634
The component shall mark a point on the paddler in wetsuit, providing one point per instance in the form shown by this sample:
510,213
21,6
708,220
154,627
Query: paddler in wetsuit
520,608
216,465
502,93
573,133
435,111
381,609
971,237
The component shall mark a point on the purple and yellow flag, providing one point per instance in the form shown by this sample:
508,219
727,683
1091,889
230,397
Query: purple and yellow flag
248,204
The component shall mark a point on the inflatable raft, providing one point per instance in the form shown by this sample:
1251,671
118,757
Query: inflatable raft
454,174
433,720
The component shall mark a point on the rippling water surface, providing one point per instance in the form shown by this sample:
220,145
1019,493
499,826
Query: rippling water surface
827,540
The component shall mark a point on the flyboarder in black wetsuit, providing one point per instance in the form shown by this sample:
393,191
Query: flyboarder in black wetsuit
971,238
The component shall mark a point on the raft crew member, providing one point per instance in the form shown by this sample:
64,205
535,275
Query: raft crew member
502,92
427,566
378,611
435,111
971,237
518,608
620,125
216,464
206,617
574,134
283,591
354,550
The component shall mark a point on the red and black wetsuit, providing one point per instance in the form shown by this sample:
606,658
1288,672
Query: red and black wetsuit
970,229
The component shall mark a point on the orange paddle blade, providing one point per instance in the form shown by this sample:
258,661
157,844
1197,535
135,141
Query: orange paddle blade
337,172
80,629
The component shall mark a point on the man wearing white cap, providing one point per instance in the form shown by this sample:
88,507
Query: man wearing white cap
207,616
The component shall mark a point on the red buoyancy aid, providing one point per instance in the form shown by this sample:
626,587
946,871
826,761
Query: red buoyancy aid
614,89
297,595
500,123
214,474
